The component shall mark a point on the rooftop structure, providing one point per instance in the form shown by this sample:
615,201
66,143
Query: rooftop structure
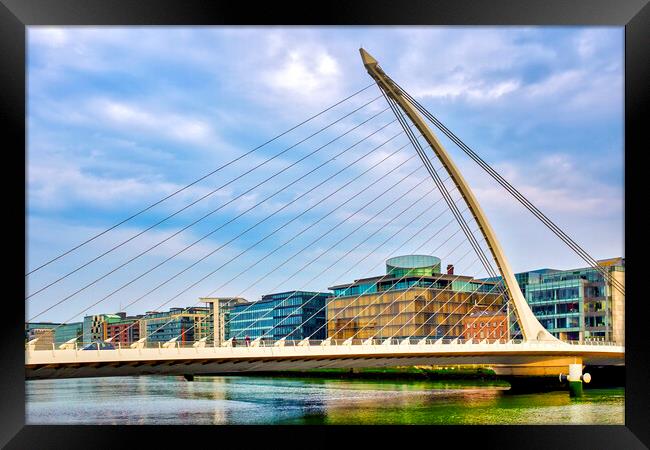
428,303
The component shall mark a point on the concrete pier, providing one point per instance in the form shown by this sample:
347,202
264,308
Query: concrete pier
575,380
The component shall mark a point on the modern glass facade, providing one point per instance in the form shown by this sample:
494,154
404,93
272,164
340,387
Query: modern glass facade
409,301
38,326
68,331
186,324
558,305
577,304
532,277
387,283
418,265
276,316
62,333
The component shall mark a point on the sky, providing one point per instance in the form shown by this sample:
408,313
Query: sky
119,118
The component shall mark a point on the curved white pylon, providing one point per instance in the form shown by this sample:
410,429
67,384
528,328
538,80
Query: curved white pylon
531,329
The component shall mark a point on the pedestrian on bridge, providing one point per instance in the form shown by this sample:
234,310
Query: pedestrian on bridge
248,340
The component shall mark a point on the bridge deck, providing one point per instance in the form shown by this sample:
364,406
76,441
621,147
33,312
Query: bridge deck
214,360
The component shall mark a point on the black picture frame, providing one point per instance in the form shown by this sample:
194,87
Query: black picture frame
16,15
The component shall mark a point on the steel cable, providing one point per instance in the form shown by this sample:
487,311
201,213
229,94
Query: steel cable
87,263
195,182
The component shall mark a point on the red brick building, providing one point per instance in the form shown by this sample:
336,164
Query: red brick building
125,332
485,325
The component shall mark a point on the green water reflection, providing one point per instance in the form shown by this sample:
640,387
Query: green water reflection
262,400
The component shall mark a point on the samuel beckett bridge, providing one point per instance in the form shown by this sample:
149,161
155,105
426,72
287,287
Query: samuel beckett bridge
416,203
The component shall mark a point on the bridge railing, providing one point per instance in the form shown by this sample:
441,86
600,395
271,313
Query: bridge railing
593,342
100,346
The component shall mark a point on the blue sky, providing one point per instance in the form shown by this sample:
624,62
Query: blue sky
120,117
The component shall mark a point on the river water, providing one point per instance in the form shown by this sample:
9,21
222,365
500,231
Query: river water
262,400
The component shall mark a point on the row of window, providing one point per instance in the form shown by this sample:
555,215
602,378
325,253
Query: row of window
554,294
560,323
556,308
484,324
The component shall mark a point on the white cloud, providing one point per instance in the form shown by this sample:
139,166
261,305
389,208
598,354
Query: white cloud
305,72
478,91
131,118
56,187
474,62
574,79
184,90
555,183
556,84
591,42
48,36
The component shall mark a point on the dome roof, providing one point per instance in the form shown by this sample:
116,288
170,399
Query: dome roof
413,265
413,261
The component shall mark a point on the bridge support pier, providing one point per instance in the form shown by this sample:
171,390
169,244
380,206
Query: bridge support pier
188,377
575,380
545,375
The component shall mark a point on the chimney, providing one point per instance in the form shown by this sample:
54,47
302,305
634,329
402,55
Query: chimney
450,269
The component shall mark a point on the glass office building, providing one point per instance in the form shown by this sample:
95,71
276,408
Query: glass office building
30,328
68,331
186,324
413,299
62,332
558,305
578,304
294,315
